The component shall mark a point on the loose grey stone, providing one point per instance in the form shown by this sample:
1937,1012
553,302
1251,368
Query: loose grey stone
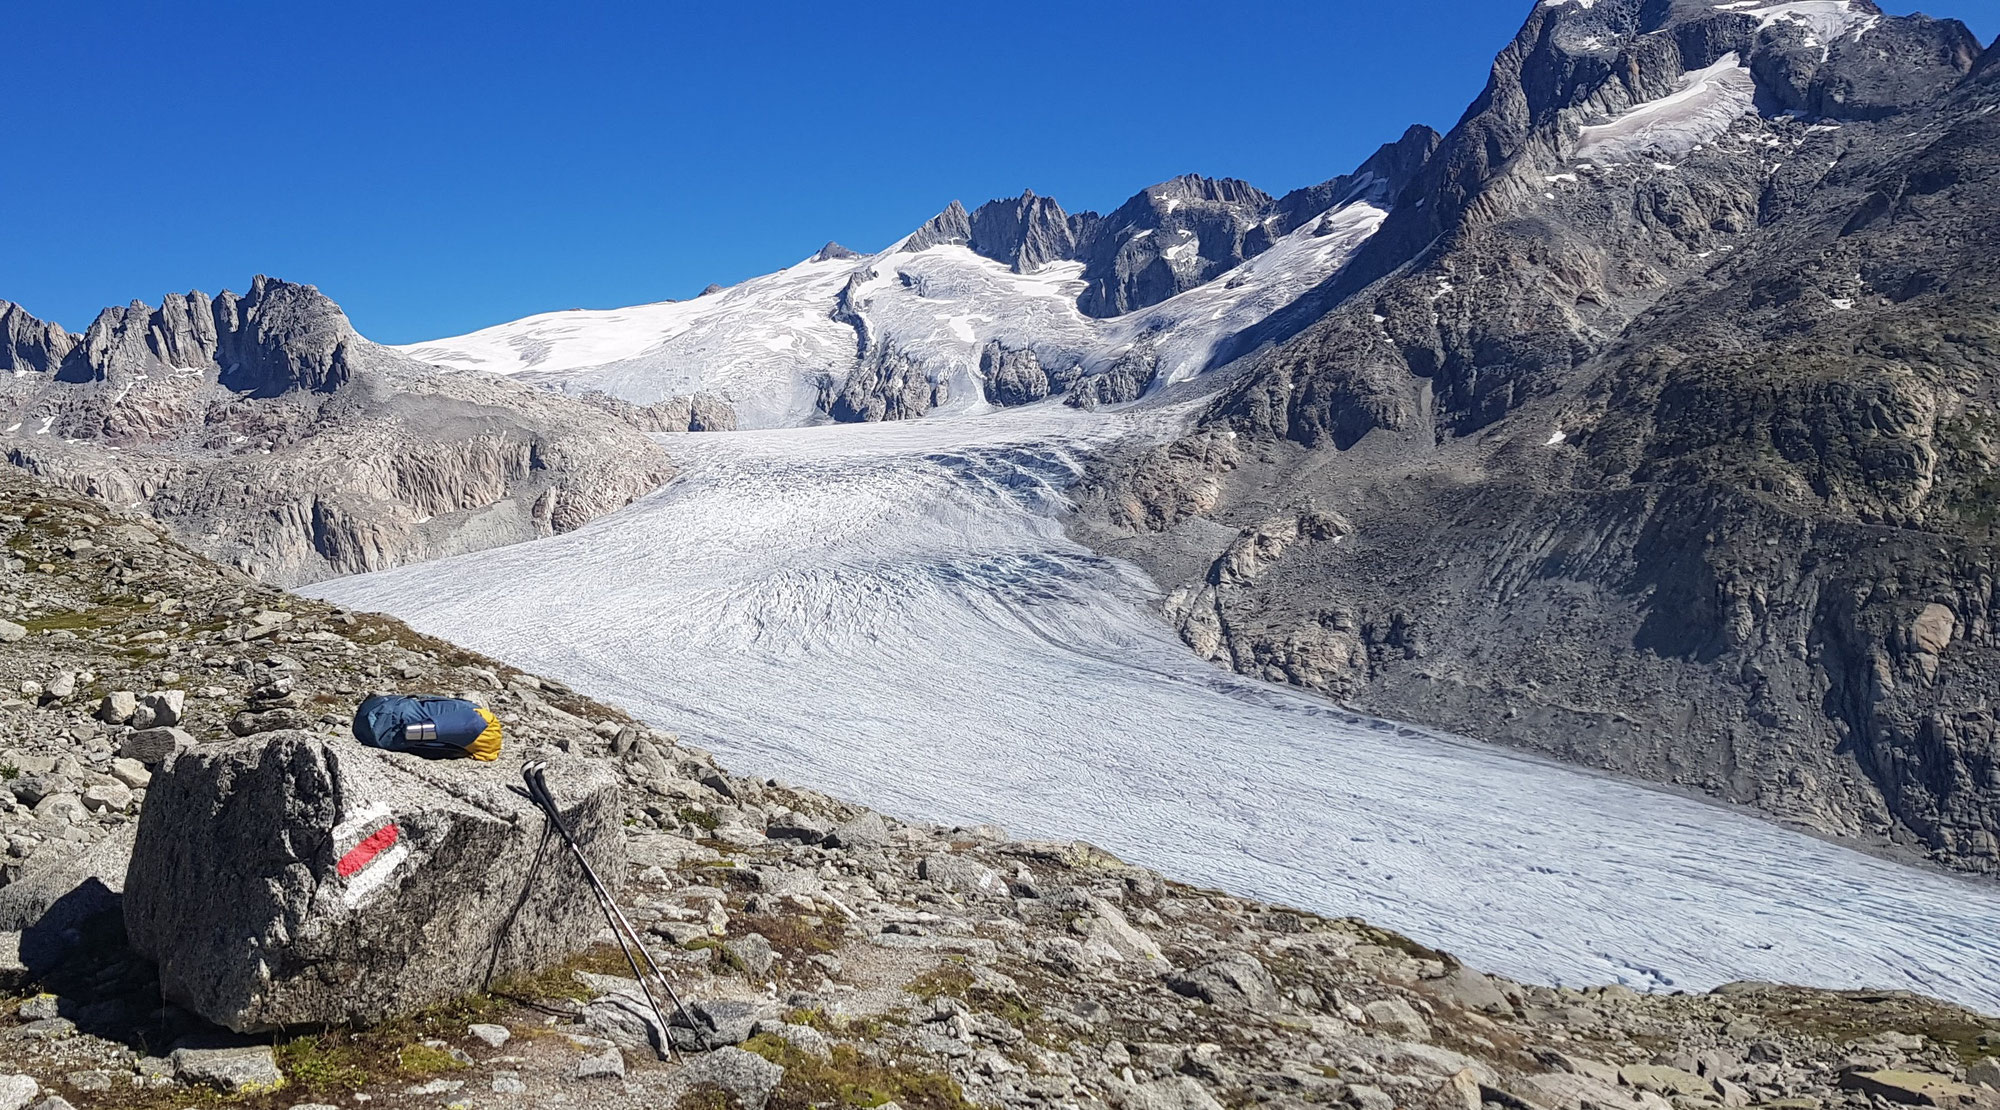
155,746
753,954
714,1023
131,772
802,827
609,1064
231,1070
1399,1018
107,796
1233,982
802,1037
747,1078
167,706
866,831
118,708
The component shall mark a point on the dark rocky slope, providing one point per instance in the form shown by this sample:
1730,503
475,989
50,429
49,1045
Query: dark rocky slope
1671,455
264,431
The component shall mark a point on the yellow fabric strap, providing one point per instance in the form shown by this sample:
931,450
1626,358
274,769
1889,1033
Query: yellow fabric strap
487,746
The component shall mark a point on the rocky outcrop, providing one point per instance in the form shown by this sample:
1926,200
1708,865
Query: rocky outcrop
952,225
1169,239
263,429
1126,380
703,412
888,385
30,344
1676,464
1017,376
1027,233
333,862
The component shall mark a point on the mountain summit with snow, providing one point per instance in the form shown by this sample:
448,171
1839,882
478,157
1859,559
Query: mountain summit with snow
1013,302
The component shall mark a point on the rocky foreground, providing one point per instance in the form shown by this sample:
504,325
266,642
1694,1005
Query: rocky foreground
836,957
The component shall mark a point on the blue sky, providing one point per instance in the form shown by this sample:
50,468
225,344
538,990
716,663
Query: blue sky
441,166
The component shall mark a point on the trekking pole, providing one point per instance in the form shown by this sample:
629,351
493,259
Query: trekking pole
638,939
538,792
622,930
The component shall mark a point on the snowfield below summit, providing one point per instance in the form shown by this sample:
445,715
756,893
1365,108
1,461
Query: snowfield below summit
1709,101
767,345
893,613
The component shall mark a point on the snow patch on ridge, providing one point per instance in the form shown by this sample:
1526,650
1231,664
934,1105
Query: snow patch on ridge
1825,20
1708,101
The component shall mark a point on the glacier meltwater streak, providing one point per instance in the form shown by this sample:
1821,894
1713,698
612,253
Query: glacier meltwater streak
894,614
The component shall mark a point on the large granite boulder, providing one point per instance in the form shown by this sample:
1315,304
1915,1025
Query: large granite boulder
294,879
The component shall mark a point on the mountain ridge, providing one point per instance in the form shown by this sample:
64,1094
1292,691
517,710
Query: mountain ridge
265,430
918,328
1671,466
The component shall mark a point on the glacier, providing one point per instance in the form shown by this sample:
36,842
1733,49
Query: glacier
894,613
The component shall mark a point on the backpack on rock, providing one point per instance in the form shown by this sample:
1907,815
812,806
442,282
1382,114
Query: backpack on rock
435,728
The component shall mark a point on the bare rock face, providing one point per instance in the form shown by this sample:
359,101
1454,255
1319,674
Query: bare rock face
703,412
953,225
1169,239
1018,376
889,384
292,879
30,344
265,432
1027,233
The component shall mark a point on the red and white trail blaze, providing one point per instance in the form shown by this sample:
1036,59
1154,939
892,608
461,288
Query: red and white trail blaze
370,848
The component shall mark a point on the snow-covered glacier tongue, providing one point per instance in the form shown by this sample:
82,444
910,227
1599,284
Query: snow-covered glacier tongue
893,612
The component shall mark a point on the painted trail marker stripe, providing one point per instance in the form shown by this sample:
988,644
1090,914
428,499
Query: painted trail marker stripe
375,876
357,824
365,852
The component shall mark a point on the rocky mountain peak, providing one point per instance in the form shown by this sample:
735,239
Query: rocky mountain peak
1027,232
28,345
1573,83
277,338
1195,188
1379,181
281,337
1988,66
1170,238
952,225
833,252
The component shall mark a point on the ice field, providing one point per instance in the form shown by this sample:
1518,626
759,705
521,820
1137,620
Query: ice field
893,613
